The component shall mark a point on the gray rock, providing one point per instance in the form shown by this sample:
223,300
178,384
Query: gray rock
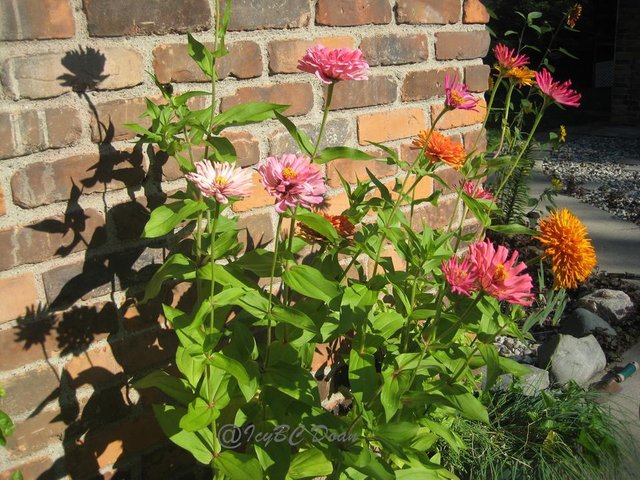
535,381
611,305
570,358
582,322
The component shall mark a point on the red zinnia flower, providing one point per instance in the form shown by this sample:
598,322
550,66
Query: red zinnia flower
331,65
461,275
457,95
558,92
508,58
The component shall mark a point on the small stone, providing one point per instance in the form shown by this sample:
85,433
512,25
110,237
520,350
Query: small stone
609,304
570,358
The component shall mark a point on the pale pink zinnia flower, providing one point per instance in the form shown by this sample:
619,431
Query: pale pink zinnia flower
476,191
508,58
461,275
332,65
500,276
221,180
457,95
293,180
558,92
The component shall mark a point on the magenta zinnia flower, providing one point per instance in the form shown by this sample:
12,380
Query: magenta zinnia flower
508,58
500,276
221,180
457,95
476,191
558,92
332,65
293,180
461,275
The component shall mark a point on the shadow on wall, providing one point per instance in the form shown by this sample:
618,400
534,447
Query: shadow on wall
99,419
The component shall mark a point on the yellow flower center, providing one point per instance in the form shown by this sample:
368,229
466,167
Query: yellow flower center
456,97
501,273
289,173
222,181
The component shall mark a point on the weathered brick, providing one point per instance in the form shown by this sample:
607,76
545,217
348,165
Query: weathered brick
458,118
338,131
122,17
26,391
36,19
42,183
50,75
258,198
336,204
23,295
298,95
475,140
425,84
3,207
171,63
39,468
246,145
255,230
428,11
63,127
7,146
462,45
395,49
451,177
377,90
113,116
284,54
475,12
432,216
477,77
258,14
28,124
390,125
352,171
53,237
36,432
338,13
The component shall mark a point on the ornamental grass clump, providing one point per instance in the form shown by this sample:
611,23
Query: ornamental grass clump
403,338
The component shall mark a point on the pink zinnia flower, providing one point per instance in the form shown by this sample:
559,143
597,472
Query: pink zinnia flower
558,92
332,65
457,95
476,191
508,58
293,180
221,180
500,276
461,275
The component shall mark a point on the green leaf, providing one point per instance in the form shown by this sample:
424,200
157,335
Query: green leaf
176,267
239,466
511,366
231,366
17,475
490,357
568,54
318,223
387,323
397,433
293,316
251,112
176,388
223,149
311,282
513,229
190,362
362,376
197,443
166,217
310,463
199,415
6,427
260,262
301,138
333,153
201,55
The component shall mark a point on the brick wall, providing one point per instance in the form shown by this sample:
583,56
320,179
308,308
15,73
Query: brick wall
75,191
625,105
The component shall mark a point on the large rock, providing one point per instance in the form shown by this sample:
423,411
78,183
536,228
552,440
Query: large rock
535,381
611,305
570,358
582,322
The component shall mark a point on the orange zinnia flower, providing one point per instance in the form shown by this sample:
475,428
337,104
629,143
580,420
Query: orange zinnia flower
572,255
522,75
343,226
442,148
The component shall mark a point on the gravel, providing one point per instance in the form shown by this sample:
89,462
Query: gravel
601,171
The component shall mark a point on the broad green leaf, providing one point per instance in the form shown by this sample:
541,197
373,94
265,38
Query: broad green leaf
332,153
223,149
311,282
189,365
490,356
387,323
301,138
251,112
176,267
293,316
397,433
320,224
310,463
238,466
511,366
231,366
201,55
513,229
176,388
166,217
260,262
197,443
199,415
362,375
6,427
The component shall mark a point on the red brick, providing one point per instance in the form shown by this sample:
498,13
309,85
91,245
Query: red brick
338,131
477,77
462,45
390,125
28,124
171,63
394,49
425,84
36,19
23,294
298,95
39,468
377,90
284,54
122,17
51,238
63,127
338,13
7,147
352,170
36,432
113,115
336,204
458,118
451,177
475,12
42,183
28,390
255,230
432,216
475,138
428,11
39,76
258,198
3,207
246,145
258,14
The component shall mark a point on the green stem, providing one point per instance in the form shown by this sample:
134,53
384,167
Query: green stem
273,272
327,107
212,226
213,77
492,97
505,117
